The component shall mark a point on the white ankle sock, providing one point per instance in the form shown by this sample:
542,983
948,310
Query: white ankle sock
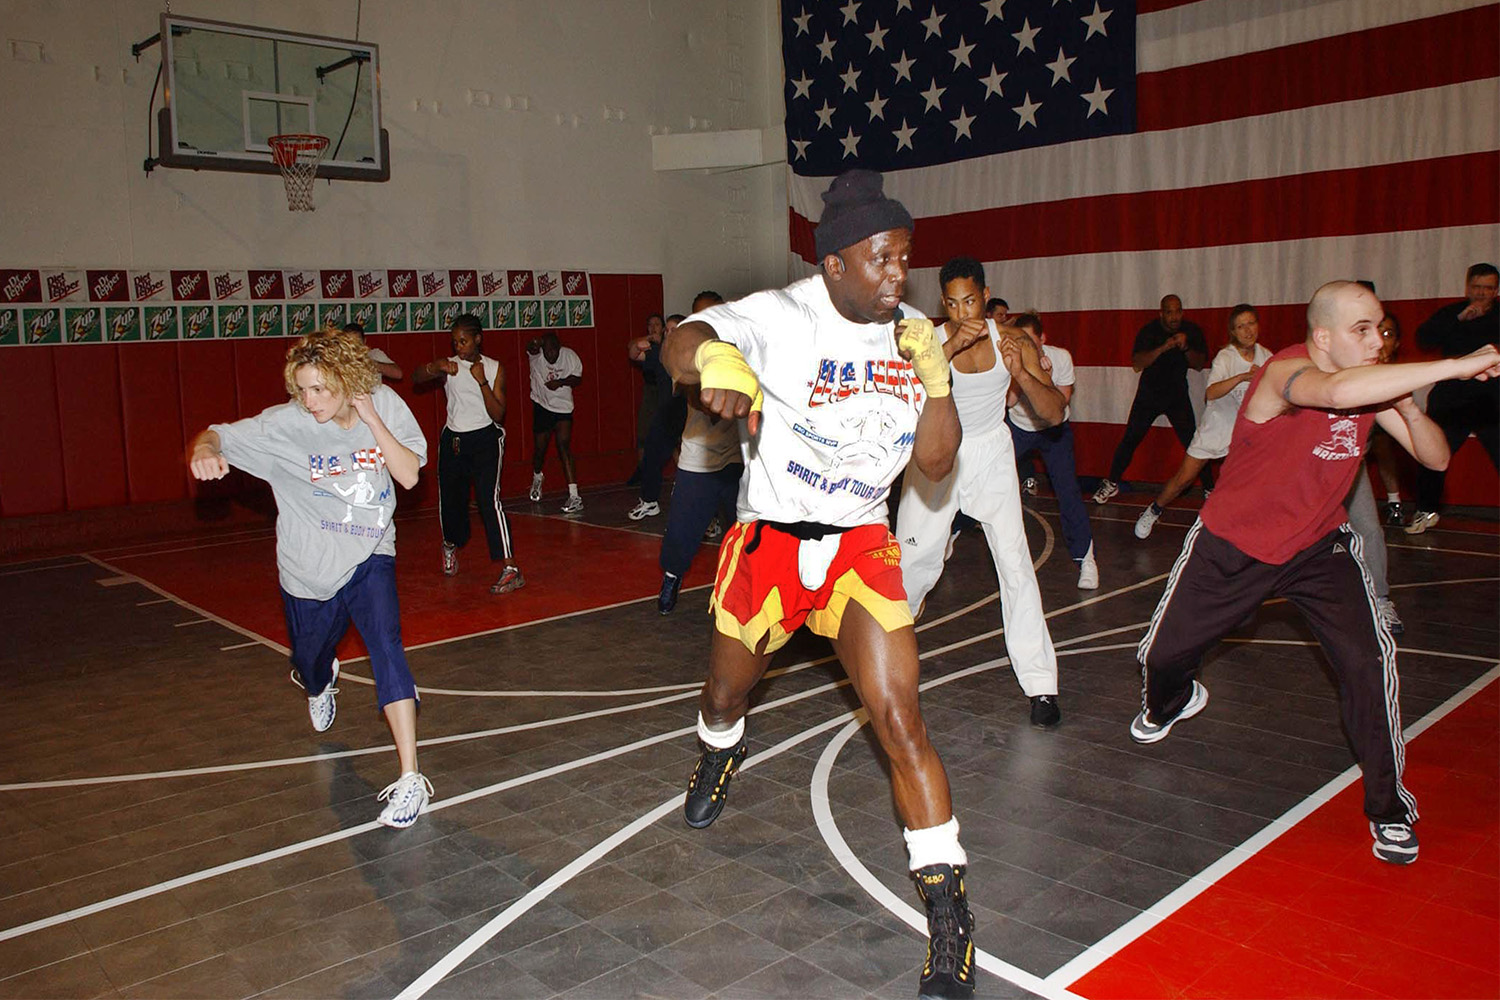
721,739
572,490
935,845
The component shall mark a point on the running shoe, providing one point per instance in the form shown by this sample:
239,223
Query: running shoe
1421,521
1143,730
535,494
671,586
1395,516
404,799
510,579
573,505
450,560
322,708
1147,520
708,788
646,508
948,972
1088,571
1044,711
1028,486
1388,616
1395,843
1107,491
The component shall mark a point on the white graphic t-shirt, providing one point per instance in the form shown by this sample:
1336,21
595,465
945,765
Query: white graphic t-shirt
1217,425
841,407
559,400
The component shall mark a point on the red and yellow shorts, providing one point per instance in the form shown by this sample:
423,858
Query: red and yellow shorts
758,594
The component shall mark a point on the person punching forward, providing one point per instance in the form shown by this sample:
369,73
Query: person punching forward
841,386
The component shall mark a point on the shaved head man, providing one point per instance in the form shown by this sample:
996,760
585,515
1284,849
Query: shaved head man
1277,527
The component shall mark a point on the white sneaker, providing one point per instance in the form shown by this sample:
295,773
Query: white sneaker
321,707
404,798
1147,520
535,495
1107,490
646,508
1423,520
573,505
1028,486
1088,571
1388,616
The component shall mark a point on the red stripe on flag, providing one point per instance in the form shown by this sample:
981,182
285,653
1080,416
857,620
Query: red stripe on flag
1152,6
1105,337
1430,52
1464,191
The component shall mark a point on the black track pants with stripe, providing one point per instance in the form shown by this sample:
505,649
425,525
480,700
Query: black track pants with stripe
1214,587
471,460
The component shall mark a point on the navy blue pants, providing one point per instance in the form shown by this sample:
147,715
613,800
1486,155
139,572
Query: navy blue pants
368,600
661,440
696,498
1056,446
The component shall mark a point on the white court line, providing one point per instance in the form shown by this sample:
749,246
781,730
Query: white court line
195,621
158,600
506,917
1116,940
43,569
239,645
208,615
113,581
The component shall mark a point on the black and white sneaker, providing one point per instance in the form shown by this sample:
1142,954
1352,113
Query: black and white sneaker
1143,730
1107,491
708,788
1395,843
1028,486
948,973
1044,711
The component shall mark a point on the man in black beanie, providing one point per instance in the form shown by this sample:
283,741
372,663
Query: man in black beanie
840,387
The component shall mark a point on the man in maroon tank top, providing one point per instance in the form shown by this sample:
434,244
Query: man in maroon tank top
1276,527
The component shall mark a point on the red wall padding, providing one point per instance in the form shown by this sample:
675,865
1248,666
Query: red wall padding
153,423
31,468
93,425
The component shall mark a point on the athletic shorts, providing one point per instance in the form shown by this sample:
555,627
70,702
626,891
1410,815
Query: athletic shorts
758,594
543,419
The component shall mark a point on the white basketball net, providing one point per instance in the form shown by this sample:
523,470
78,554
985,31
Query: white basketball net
298,157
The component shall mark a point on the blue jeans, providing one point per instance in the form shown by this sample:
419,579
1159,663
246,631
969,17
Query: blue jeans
1056,446
696,498
369,600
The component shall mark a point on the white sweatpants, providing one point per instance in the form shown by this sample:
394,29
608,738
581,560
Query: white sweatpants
983,485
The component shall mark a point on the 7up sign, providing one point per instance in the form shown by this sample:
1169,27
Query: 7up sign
197,322
232,320
123,323
10,327
84,326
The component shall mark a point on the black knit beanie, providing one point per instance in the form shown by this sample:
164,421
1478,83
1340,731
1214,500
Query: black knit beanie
856,208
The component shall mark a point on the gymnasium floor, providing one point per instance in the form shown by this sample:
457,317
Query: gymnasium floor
173,827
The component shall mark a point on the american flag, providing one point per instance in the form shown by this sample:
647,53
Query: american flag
1098,154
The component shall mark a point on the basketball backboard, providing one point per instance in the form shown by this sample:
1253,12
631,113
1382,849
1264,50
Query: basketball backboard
230,87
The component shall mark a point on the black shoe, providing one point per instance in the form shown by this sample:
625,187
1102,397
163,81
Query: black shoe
667,599
1044,711
708,788
949,970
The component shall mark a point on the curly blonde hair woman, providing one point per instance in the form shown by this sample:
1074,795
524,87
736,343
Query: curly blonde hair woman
333,455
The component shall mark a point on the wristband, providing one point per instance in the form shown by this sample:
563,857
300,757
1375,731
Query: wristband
917,340
721,366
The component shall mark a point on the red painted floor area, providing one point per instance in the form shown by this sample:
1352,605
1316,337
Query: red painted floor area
1315,915
569,566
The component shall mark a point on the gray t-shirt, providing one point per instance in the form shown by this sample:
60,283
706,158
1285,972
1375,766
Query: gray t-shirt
335,499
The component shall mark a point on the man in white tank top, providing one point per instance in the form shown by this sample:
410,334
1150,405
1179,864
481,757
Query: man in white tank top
471,450
986,364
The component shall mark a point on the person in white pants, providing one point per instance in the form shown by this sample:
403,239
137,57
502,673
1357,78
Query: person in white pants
987,362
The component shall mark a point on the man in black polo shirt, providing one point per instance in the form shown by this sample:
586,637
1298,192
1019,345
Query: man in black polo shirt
1164,350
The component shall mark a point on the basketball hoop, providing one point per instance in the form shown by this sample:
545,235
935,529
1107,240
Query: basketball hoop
298,156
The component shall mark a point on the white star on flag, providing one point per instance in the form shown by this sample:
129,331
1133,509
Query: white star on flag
961,125
1026,37
825,48
1095,21
903,4
1096,100
961,53
903,135
876,106
801,145
803,85
850,77
1059,67
851,12
903,67
851,144
992,82
933,95
934,24
994,11
877,37
802,23
1027,111
825,116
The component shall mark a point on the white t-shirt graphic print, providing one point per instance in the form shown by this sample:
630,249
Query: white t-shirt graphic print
841,407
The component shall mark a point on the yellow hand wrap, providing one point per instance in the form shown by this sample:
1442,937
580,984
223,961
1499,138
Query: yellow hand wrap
917,340
721,366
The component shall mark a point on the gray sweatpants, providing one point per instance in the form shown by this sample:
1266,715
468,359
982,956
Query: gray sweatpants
1364,518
